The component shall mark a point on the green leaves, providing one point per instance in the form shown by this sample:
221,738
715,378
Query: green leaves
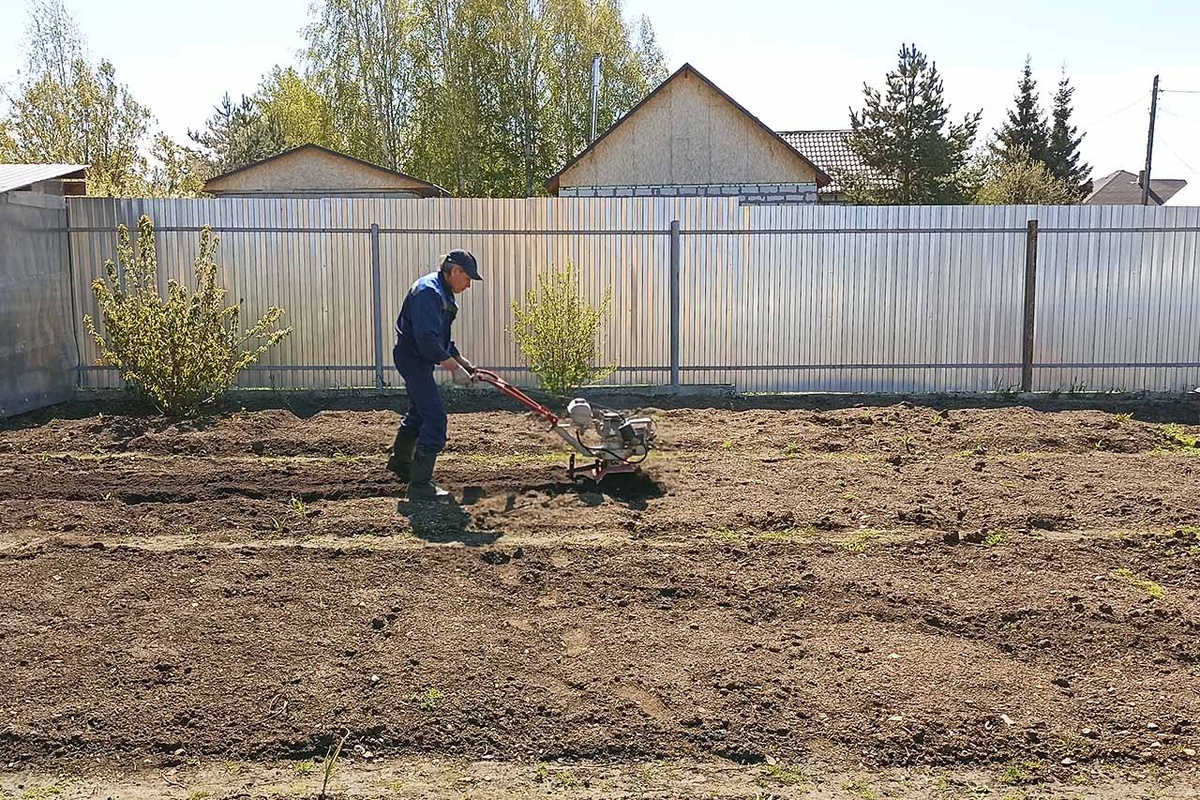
88,119
69,111
484,97
1019,179
182,352
559,332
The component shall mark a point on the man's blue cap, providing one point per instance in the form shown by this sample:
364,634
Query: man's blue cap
467,261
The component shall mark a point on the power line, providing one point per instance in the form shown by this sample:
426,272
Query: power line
1090,122
1179,91
1171,150
1171,113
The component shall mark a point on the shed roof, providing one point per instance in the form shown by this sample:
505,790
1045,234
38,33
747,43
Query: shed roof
17,176
424,188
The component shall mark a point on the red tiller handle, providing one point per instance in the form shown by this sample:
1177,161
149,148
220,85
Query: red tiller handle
487,376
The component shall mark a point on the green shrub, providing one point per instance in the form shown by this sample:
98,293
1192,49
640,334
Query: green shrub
559,332
182,352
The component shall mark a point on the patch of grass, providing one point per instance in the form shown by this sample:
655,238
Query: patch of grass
859,541
516,459
1148,586
994,539
344,458
792,448
55,789
647,776
1186,452
784,774
1023,772
199,794
566,779
303,767
1122,418
725,533
1176,435
860,788
297,506
563,779
787,534
429,699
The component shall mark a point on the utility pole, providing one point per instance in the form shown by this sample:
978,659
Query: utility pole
1150,144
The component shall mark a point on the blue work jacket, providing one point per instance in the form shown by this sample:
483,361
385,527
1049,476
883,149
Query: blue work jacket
423,326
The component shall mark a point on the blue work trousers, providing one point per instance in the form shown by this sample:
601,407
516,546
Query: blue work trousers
426,411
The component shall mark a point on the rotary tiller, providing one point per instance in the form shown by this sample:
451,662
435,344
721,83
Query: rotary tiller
623,443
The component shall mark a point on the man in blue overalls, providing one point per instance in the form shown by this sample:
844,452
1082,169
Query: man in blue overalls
422,343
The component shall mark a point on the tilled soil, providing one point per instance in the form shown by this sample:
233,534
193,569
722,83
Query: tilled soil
913,585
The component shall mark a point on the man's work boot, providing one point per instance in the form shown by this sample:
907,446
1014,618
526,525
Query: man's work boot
421,487
401,457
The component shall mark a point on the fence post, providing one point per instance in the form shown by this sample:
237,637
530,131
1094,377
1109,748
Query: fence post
1031,243
377,295
675,302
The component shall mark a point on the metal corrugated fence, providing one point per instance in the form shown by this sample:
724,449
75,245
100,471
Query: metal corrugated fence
799,298
1118,303
37,348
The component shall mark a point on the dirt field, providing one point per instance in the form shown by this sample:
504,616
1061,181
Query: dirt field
893,599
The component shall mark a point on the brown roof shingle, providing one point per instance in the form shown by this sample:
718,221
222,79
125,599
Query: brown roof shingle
829,150
1122,188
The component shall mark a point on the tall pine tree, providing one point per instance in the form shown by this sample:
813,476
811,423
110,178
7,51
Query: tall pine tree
237,135
1025,133
1062,155
913,154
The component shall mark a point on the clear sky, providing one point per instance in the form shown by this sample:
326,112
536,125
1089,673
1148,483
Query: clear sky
794,64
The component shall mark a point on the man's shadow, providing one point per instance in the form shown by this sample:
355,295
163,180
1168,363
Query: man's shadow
447,521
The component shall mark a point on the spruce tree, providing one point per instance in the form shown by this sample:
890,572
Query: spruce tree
1062,155
1025,131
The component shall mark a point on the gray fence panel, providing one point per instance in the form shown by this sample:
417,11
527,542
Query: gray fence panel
854,298
1118,299
37,342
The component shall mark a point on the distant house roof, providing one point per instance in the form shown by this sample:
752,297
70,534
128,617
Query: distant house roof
20,176
822,179
1123,188
829,150
314,170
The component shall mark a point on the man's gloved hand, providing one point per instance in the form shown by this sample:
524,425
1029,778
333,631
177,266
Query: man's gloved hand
461,376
